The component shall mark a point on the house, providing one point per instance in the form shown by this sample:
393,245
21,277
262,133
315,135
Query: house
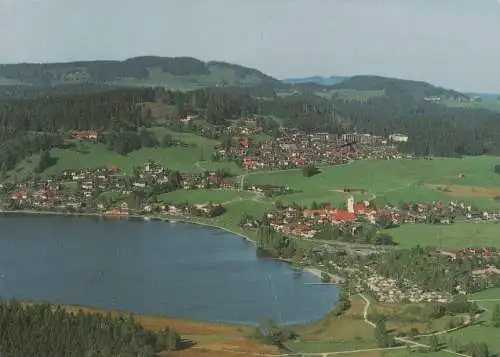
244,142
398,138
83,135
19,195
227,183
340,216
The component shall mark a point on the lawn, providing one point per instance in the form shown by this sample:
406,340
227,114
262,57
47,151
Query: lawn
88,155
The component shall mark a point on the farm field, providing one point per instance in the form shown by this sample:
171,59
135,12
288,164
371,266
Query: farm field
393,181
456,235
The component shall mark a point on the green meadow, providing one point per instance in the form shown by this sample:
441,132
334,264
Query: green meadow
90,155
398,181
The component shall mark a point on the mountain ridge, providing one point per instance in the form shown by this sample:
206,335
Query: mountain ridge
331,80
144,70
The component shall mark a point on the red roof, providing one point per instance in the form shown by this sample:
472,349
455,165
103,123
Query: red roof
244,142
343,216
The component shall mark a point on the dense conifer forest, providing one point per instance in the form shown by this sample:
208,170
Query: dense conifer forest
433,129
47,331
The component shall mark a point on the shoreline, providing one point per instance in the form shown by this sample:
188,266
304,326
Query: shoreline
171,219
314,271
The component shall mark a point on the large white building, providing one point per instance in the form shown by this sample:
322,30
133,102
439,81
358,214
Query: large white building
398,138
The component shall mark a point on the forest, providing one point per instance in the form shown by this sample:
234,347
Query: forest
44,330
433,129
46,74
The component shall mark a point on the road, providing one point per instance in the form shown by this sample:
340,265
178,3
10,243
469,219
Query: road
405,340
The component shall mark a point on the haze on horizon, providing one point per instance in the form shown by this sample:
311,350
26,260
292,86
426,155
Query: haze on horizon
450,43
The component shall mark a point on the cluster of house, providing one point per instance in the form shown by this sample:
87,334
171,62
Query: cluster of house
82,189
488,258
392,291
83,135
438,212
207,209
296,221
294,148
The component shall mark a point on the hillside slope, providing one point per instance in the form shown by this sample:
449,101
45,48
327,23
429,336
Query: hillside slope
172,72
325,81
394,87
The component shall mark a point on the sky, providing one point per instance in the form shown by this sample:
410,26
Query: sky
451,43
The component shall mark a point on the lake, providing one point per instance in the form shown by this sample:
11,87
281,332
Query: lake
158,268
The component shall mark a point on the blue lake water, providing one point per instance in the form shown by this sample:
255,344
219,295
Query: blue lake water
158,268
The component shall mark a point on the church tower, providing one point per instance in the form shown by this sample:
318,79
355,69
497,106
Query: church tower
350,204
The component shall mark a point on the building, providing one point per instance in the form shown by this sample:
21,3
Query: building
398,138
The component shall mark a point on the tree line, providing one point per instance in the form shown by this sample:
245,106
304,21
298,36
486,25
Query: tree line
44,330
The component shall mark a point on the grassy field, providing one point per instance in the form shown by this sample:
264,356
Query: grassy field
482,331
217,75
391,181
189,138
457,235
352,94
492,104
470,179
221,196
88,155
347,332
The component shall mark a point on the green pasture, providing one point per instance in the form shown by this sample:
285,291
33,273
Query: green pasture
221,196
89,155
456,235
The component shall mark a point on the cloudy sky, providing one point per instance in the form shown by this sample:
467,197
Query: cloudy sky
453,43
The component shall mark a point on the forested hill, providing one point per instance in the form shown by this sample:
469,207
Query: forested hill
325,81
394,87
171,72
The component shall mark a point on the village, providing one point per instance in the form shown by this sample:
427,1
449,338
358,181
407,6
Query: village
109,192
353,226
293,148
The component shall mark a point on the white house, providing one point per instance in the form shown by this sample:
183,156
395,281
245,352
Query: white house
398,138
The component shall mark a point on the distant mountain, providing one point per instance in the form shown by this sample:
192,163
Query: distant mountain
325,81
173,72
394,87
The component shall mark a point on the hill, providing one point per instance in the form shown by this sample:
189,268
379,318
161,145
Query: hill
326,81
181,73
417,90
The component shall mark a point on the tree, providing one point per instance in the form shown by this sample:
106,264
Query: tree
384,339
46,160
309,170
434,343
495,316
